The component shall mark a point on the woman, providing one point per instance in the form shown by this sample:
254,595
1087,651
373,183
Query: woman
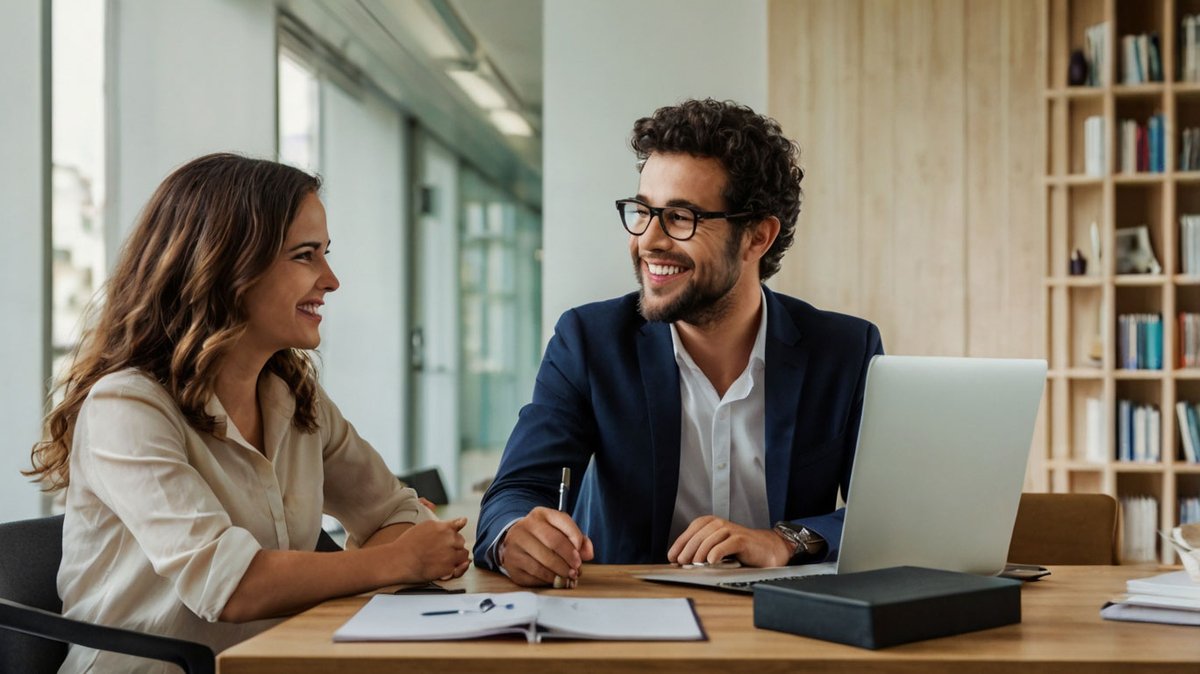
196,447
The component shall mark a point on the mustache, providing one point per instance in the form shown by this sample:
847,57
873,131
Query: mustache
677,260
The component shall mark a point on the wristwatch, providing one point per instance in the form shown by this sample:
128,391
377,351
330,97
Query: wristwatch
804,540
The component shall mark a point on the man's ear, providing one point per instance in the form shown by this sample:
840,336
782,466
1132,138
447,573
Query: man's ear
760,237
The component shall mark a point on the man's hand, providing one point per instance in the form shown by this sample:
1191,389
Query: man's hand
710,539
544,544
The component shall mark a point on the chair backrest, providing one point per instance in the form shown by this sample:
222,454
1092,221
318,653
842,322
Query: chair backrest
1065,529
428,483
30,553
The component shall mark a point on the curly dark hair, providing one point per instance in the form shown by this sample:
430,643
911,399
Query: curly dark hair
762,164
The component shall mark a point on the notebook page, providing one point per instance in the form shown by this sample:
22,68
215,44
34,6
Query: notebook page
388,617
619,619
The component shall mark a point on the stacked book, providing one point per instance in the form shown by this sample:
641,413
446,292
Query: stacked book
1139,341
1140,147
1093,145
1189,150
1139,432
1189,510
1189,338
1189,243
1189,38
1171,598
1188,417
1095,39
1140,514
1141,56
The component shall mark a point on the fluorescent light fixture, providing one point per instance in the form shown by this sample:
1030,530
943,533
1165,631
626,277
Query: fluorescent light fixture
479,89
511,123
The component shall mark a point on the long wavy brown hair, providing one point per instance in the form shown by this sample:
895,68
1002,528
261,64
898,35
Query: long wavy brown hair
175,302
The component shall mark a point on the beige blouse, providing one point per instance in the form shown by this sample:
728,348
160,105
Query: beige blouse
162,520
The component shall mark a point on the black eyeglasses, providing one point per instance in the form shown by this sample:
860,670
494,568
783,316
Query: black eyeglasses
677,222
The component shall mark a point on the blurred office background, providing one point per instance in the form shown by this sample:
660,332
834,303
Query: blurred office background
427,121
471,151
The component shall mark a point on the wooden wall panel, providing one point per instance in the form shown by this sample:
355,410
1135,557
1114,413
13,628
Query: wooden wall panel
921,134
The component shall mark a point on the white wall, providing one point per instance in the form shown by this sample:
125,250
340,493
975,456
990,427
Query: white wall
364,346
21,164
189,78
607,64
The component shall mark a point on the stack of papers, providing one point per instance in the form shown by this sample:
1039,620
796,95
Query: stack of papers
1172,598
536,617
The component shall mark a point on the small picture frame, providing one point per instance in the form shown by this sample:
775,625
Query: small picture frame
1135,254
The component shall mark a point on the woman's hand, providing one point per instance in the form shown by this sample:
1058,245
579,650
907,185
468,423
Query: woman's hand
431,550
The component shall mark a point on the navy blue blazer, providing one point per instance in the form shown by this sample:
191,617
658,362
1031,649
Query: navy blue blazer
607,400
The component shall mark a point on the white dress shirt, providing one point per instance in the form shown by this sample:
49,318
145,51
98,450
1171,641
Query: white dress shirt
722,448
162,521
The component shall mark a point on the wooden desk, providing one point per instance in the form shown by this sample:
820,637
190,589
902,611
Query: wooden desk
1061,629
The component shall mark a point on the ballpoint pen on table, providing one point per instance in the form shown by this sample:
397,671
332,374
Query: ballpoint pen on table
564,491
484,606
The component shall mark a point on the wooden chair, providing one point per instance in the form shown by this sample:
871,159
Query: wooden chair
1065,529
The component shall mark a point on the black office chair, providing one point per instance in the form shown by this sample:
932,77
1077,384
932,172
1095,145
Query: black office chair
428,483
33,634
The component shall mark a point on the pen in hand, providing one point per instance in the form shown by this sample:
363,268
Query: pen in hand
564,491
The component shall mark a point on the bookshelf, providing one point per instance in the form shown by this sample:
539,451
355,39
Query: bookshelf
1082,310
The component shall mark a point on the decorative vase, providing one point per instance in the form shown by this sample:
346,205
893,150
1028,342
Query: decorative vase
1077,72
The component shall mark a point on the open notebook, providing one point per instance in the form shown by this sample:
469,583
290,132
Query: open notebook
469,616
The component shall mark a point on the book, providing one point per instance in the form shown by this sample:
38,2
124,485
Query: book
1177,584
885,607
388,617
1149,613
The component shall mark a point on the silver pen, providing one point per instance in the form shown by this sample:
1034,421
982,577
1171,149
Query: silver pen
564,492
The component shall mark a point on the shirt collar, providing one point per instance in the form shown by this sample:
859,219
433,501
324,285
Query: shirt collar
275,399
758,354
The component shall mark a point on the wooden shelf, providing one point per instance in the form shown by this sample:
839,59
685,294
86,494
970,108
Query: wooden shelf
1147,90
1140,280
1142,178
1075,179
1138,466
1134,375
1081,281
1076,92
1076,373
1114,200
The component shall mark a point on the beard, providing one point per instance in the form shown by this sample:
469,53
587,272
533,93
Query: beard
702,301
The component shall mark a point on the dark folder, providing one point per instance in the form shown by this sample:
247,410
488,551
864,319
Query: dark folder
877,609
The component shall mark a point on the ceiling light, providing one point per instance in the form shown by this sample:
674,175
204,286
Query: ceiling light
483,92
511,123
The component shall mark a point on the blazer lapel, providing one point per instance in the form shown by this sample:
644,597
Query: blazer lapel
785,379
660,383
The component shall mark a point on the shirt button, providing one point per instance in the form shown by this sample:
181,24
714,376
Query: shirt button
721,466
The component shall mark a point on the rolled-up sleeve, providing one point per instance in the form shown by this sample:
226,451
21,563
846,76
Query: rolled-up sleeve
134,454
360,490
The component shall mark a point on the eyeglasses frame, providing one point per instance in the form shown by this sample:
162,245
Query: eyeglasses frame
656,212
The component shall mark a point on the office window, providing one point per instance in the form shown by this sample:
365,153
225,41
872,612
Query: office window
299,113
78,192
500,272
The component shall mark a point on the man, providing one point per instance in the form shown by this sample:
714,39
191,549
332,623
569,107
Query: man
714,418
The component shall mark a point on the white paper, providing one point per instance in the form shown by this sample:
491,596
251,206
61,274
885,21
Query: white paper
389,617
623,619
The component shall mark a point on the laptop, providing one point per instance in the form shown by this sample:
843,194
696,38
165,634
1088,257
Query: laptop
938,471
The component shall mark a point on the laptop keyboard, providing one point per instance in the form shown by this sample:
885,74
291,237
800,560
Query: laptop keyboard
748,585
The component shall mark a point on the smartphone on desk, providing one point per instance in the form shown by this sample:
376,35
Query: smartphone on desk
429,588
1026,572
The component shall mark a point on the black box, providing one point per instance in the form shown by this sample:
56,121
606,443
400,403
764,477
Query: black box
877,609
